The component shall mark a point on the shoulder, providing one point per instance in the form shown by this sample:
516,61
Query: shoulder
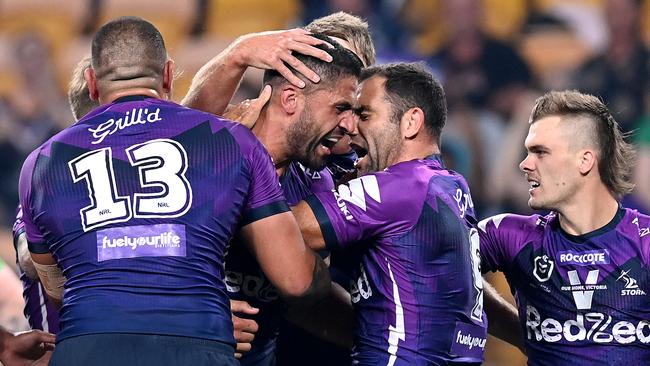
636,226
520,226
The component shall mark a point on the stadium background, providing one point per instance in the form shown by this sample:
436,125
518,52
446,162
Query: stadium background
494,58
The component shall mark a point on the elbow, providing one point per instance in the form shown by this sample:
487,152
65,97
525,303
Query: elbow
311,290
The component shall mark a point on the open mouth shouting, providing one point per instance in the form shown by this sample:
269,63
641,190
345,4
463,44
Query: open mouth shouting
362,152
534,184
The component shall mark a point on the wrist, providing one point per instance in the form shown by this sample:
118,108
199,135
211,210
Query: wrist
236,54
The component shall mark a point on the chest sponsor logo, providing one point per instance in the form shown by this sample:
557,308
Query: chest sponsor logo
543,268
469,341
162,240
586,328
631,285
133,117
592,257
583,293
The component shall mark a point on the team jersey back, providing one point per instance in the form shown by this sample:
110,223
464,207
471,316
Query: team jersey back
583,300
137,202
417,292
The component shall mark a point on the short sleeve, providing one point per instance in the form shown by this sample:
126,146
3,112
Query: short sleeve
265,196
361,209
35,238
501,239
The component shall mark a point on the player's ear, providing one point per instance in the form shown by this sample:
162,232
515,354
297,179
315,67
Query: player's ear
412,122
168,78
91,81
290,99
587,161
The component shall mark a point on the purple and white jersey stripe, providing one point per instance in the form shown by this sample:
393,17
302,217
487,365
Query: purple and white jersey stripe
39,310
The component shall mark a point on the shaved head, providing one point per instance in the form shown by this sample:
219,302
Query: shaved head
128,48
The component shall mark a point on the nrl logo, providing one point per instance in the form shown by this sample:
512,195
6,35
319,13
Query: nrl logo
543,268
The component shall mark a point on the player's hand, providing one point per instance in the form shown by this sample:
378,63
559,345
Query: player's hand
248,111
32,348
271,50
244,329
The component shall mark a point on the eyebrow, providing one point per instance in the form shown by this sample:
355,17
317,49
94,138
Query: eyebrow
538,147
344,105
362,109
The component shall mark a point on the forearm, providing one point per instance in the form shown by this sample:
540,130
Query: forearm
503,319
216,82
331,320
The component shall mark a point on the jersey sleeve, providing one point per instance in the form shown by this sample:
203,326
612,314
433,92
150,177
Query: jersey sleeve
35,239
501,238
265,196
361,209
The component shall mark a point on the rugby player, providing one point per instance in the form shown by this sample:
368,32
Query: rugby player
138,214
580,274
408,223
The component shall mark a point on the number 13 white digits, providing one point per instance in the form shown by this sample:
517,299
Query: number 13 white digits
161,163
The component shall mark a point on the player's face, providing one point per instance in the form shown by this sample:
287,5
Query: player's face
326,119
379,135
551,165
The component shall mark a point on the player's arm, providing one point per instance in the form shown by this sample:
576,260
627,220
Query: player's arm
309,225
503,319
295,270
216,82
49,273
332,319
30,348
50,276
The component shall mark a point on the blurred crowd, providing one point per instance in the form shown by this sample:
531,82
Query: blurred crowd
494,58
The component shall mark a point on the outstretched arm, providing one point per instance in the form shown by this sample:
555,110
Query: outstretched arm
216,82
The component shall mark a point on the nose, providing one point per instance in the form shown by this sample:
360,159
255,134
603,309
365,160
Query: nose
526,164
349,123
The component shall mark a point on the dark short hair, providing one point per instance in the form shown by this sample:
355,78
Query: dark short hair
410,85
616,158
344,63
128,41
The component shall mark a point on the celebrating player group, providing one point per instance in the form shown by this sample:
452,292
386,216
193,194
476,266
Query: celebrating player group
316,224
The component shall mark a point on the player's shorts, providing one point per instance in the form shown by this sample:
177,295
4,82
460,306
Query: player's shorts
141,350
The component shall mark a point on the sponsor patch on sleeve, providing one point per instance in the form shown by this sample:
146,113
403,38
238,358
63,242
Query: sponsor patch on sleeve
161,240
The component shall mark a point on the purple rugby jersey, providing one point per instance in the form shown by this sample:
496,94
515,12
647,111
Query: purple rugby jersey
582,300
39,310
417,291
137,202
245,279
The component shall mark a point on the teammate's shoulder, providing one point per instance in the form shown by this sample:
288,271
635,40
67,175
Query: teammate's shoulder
636,221
515,222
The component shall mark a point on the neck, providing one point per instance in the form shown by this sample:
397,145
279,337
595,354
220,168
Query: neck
113,95
271,132
413,149
587,212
